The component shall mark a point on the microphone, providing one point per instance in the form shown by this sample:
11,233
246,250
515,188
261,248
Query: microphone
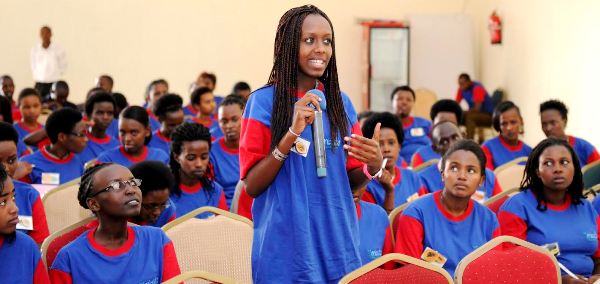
319,135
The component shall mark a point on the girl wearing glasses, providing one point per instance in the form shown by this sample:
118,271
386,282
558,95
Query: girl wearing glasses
157,209
115,249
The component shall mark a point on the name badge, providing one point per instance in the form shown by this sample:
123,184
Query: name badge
433,257
417,132
25,223
478,196
51,178
301,147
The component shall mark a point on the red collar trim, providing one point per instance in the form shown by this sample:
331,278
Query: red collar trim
553,207
411,120
398,175
190,188
150,113
96,140
226,149
320,87
515,148
22,125
112,252
450,217
133,159
191,109
207,125
49,157
162,137
358,209
571,140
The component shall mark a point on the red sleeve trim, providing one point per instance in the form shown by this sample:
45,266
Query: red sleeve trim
368,197
388,247
353,163
245,204
497,232
594,156
170,264
488,155
40,224
597,253
497,188
423,190
478,94
416,160
512,225
223,202
58,276
40,276
255,143
459,96
409,237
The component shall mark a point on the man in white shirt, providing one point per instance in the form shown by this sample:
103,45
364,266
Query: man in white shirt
48,63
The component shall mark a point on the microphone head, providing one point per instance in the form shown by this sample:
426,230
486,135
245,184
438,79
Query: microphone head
321,95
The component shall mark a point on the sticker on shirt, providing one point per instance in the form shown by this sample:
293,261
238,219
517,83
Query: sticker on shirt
25,223
300,147
51,178
478,196
417,132
553,248
433,257
413,197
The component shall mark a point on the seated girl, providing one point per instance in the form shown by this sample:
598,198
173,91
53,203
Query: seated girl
157,209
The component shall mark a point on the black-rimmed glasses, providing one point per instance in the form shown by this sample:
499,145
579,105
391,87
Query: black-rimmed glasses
119,185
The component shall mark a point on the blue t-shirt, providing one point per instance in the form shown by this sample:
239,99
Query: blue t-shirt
585,151
21,261
431,178
498,152
159,141
416,135
226,163
23,131
452,236
406,187
476,93
113,129
373,224
119,156
194,197
424,154
47,168
573,227
305,227
96,146
32,217
189,112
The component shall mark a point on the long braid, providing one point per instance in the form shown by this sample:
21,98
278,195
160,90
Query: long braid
87,183
189,132
284,76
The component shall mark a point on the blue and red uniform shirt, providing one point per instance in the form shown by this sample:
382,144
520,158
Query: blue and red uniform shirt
425,223
21,261
300,219
119,156
96,146
113,129
23,131
407,186
585,151
424,154
226,164
431,178
375,234
498,152
194,197
147,256
573,227
476,94
189,111
48,168
153,120
416,135
22,149
160,141
32,216
401,163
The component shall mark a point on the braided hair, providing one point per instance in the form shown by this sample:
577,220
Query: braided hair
534,183
3,177
284,76
87,183
189,132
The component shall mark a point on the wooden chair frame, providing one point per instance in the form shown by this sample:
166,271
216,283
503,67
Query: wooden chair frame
206,209
60,233
197,274
425,165
500,196
510,164
59,188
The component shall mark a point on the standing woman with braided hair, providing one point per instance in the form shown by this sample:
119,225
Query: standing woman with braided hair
305,227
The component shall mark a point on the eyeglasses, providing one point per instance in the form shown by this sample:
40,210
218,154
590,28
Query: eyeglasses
120,185
80,135
156,206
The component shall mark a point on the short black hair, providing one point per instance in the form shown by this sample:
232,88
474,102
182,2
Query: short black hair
8,132
61,84
197,94
403,88
6,109
94,91
120,100
5,76
167,103
98,98
556,105
29,92
469,146
107,77
500,109
233,100
156,82
210,76
154,175
464,76
446,105
387,120
241,86
62,121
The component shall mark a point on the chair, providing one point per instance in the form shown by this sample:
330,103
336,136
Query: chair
496,202
53,243
425,165
221,244
507,259
412,271
393,217
425,98
236,197
61,206
207,276
591,174
510,176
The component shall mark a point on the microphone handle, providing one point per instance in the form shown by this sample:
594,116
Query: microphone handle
319,144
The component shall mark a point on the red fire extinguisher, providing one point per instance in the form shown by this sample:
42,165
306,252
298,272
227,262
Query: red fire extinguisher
495,27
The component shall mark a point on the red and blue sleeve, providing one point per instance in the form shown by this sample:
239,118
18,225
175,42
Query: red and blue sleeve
416,160
478,94
170,264
597,253
409,236
497,188
459,96
40,225
488,156
255,142
512,225
59,276
368,197
245,204
353,163
40,275
593,156
223,202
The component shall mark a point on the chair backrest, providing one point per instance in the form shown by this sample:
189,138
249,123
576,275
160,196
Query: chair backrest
62,208
425,98
507,259
220,244
511,176
53,243
425,165
517,161
591,174
393,218
208,277
496,201
412,271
